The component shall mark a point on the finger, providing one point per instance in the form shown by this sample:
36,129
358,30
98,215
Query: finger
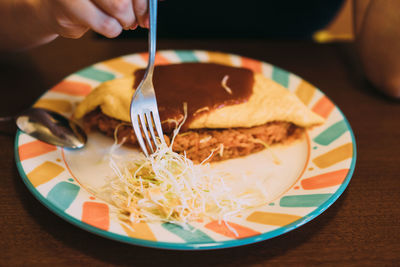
141,8
88,14
55,15
64,27
75,33
122,10
134,26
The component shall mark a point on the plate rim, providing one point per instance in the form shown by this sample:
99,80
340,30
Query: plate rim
192,245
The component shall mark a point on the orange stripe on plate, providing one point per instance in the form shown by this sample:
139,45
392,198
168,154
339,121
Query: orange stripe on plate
252,64
57,105
323,107
220,58
271,218
324,180
223,229
96,214
305,92
159,59
72,88
34,149
139,230
122,66
44,173
334,156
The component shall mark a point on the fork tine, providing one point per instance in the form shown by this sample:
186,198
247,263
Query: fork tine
157,122
149,119
138,134
144,99
145,131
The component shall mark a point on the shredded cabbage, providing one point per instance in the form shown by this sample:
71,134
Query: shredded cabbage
167,186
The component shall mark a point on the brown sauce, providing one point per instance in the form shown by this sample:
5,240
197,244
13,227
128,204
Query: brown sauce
200,86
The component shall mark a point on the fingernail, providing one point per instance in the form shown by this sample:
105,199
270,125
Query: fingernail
133,27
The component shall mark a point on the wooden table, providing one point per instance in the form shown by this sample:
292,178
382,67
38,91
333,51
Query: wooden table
361,228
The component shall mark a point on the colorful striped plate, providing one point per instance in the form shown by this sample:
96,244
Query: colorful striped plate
313,172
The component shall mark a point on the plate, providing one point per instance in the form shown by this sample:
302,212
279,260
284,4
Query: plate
313,172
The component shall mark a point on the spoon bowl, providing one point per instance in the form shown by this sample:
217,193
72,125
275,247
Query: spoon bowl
51,127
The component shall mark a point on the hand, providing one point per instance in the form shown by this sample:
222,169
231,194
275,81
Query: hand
72,18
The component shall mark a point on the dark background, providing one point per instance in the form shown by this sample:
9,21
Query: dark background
272,19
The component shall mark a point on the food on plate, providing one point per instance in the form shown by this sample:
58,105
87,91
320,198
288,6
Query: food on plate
209,112
231,111
169,187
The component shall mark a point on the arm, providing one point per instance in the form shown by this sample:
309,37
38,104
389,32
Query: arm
20,27
378,41
27,23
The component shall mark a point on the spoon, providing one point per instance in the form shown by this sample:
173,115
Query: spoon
51,127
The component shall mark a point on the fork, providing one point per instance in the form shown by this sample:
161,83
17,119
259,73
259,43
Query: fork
143,109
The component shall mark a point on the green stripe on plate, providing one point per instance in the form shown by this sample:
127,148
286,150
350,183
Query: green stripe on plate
280,76
297,201
332,133
63,194
191,235
96,74
186,56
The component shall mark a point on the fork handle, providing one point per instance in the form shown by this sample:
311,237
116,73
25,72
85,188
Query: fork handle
152,35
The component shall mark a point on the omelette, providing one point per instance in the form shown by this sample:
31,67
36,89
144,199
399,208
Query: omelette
231,111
